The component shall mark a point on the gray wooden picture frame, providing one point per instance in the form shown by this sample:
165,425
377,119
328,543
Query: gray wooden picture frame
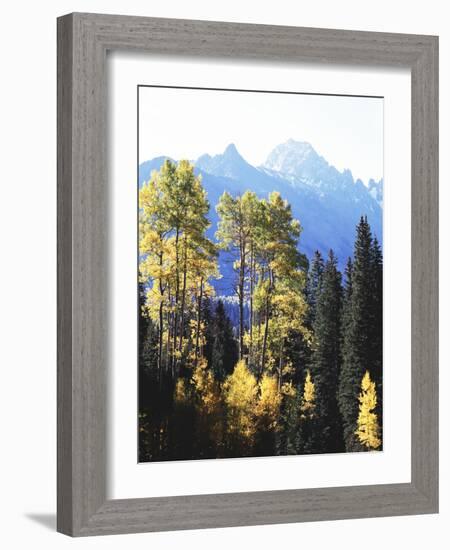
83,41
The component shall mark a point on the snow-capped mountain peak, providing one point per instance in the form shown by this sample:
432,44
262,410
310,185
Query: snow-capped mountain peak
228,164
289,157
327,202
376,190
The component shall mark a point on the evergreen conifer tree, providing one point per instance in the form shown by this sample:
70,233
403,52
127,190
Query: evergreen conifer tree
148,341
207,319
313,285
326,360
377,329
224,352
359,321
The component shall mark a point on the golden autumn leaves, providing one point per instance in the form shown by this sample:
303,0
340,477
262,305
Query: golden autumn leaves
238,410
176,258
241,407
368,429
178,263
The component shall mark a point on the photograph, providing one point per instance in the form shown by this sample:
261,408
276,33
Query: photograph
259,273
220,279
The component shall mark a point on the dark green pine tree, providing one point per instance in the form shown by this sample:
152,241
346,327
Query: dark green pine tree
288,436
207,318
147,383
224,351
326,360
347,297
313,284
358,331
377,328
147,344
298,347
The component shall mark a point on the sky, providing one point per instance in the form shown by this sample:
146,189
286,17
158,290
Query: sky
184,123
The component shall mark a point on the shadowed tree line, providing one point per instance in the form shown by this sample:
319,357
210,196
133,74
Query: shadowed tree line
301,369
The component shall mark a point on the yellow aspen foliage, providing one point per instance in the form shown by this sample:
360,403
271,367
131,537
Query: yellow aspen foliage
268,406
210,404
240,391
288,389
208,389
308,402
181,392
176,259
197,333
368,430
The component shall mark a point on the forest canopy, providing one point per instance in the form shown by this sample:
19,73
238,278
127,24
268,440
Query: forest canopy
290,364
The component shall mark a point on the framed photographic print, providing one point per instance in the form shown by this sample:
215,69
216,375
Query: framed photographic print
247,274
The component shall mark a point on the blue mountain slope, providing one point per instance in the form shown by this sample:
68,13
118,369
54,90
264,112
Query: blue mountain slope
327,202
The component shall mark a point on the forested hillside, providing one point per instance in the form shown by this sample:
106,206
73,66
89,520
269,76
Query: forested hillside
299,370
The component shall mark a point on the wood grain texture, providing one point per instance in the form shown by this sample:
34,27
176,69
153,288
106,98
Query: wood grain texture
425,272
83,40
64,274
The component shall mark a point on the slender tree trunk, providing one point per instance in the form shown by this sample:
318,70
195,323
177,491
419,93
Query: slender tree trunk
160,343
177,296
241,299
280,365
266,332
169,317
250,352
266,323
259,319
183,295
161,319
199,318
170,341
241,315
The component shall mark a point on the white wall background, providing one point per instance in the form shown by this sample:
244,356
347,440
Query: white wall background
28,272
